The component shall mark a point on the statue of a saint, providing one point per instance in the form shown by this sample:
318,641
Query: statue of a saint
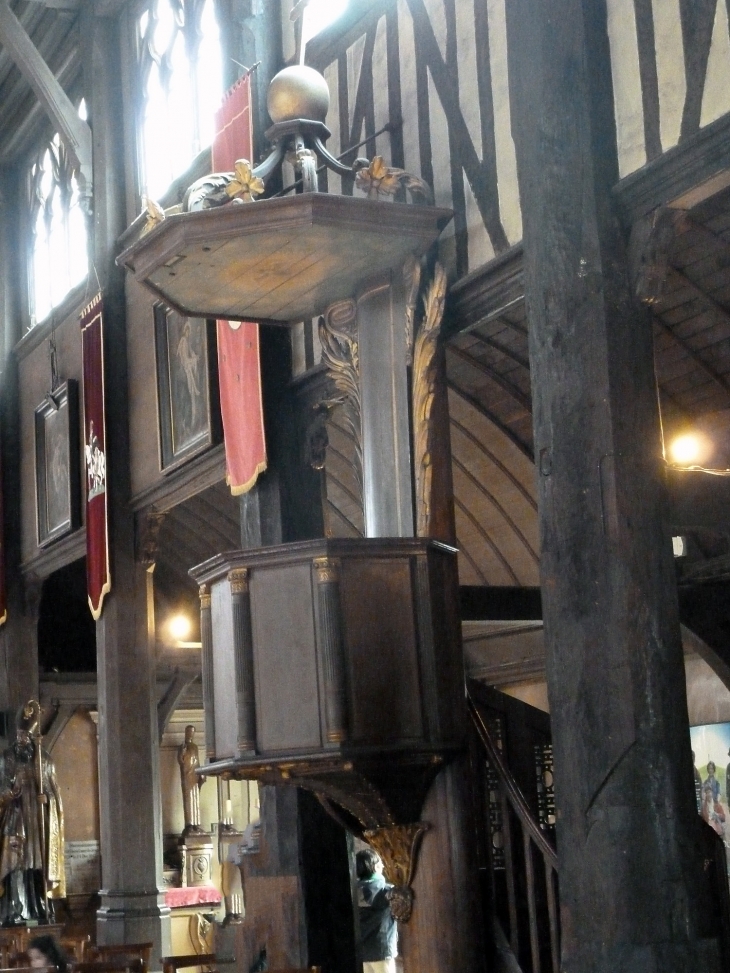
31,827
189,761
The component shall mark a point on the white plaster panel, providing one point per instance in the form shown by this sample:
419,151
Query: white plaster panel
670,69
334,144
626,85
437,16
509,192
716,99
380,91
466,45
408,89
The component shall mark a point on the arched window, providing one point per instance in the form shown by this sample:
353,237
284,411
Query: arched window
58,247
182,83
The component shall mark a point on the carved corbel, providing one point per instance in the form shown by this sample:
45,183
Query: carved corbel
650,249
398,847
425,370
148,524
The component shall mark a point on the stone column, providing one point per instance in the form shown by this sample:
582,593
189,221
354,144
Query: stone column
632,891
132,907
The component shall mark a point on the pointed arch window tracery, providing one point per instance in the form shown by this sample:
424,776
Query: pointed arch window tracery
181,73
58,229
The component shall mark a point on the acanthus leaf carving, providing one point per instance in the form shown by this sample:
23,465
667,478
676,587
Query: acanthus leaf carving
425,369
340,355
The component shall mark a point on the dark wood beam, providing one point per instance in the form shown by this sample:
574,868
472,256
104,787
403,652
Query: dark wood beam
74,131
612,634
500,603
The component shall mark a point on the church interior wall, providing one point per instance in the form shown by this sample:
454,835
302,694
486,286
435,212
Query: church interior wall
143,415
417,66
670,63
75,757
34,385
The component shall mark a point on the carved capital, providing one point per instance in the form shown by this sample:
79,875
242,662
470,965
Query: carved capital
204,592
327,570
239,581
398,847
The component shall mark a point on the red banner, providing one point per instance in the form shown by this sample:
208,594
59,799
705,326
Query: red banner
98,580
241,406
238,344
233,138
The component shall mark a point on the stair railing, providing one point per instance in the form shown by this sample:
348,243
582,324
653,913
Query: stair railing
531,836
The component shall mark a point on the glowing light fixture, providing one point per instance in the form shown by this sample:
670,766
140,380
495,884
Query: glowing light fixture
179,627
690,449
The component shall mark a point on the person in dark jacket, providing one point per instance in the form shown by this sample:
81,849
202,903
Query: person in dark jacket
378,928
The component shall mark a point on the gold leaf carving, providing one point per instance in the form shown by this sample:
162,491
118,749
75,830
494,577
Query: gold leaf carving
398,847
381,180
424,390
340,355
412,278
244,185
154,212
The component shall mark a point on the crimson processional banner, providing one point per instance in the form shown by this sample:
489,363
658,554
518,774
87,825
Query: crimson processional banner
239,364
98,580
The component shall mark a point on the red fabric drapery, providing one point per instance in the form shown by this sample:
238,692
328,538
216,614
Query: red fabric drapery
238,344
98,579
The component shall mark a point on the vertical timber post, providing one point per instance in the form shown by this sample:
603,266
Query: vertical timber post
631,881
132,905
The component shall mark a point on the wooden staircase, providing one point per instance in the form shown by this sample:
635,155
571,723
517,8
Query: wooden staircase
519,862
518,859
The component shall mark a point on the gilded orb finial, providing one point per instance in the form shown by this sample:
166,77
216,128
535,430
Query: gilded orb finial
298,92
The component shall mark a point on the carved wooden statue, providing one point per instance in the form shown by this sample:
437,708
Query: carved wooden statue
189,761
31,827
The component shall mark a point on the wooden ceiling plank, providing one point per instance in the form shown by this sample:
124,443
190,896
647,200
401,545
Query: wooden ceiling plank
487,540
482,488
502,349
516,393
483,410
482,447
351,530
227,526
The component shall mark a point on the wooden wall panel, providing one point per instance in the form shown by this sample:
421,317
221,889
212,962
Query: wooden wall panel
34,384
143,418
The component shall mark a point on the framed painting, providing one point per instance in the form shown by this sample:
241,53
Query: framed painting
57,464
711,756
187,386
